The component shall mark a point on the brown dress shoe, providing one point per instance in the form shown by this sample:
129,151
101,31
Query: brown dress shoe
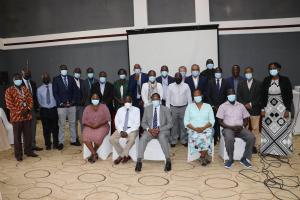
118,160
125,159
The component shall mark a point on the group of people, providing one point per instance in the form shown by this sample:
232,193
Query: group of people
189,109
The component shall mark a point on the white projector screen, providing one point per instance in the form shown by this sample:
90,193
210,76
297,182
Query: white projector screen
173,46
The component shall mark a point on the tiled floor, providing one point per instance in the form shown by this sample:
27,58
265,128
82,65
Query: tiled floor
65,175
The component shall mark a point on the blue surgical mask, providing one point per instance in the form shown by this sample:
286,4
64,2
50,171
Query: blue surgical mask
137,71
122,76
231,98
156,103
102,79
183,74
210,66
164,73
18,82
195,73
198,99
218,75
77,75
152,79
64,72
273,72
95,102
90,75
248,76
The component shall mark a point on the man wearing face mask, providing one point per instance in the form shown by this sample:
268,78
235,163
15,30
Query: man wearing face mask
209,71
87,86
31,86
182,70
249,92
165,80
20,103
121,89
65,94
197,81
48,112
127,122
151,87
156,122
234,118
135,84
179,96
216,95
234,80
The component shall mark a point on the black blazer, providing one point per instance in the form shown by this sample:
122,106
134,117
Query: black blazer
108,95
215,99
87,89
202,85
170,80
253,95
34,94
286,91
80,100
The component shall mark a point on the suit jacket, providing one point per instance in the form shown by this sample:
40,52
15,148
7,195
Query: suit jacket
61,93
230,81
245,96
208,73
170,80
286,91
165,119
214,97
117,92
132,85
87,89
34,94
80,99
202,85
108,94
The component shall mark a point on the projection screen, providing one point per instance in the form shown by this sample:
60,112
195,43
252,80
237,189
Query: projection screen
173,46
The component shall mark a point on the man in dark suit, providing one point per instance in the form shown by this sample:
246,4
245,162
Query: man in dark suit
209,71
136,81
196,81
165,80
87,86
31,86
216,95
65,94
249,94
234,80
80,100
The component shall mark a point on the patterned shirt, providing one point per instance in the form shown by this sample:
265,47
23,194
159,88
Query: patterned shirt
18,100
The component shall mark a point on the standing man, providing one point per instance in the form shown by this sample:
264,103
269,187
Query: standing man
183,71
20,103
179,96
197,81
234,80
249,92
121,89
209,72
31,86
48,112
165,80
87,86
136,82
127,122
151,87
157,123
216,95
65,94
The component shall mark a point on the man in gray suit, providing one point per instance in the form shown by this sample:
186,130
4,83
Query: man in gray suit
157,123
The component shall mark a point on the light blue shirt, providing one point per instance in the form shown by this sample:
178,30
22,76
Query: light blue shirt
199,118
42,96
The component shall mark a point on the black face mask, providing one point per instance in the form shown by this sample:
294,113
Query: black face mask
178,80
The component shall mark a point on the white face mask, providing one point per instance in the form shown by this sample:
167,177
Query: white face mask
127,105
77,75
137,71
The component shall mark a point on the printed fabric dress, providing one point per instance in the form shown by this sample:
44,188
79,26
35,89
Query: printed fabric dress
276,136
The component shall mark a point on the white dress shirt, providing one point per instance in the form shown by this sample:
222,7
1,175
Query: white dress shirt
196,80
249,83
102,88
133,119
28,85
145,90
158,115
220,81
77,82
178,95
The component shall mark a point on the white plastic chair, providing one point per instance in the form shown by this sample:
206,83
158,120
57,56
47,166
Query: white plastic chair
132,152
154,151
7,126
103,152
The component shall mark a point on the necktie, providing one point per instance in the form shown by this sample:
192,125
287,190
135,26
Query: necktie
125,127
218,85
29,86
155,119
48,95
65,81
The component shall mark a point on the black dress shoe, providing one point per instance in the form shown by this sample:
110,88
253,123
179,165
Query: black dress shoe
37,148
138,167
60,146
168,166
173,145
48,148
254,150
19,158
32,154
77,143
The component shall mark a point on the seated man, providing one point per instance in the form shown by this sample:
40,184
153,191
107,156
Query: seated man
127,122
157,122
233,117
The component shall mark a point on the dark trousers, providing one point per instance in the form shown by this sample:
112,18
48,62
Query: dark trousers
22,128
217,130
49,118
